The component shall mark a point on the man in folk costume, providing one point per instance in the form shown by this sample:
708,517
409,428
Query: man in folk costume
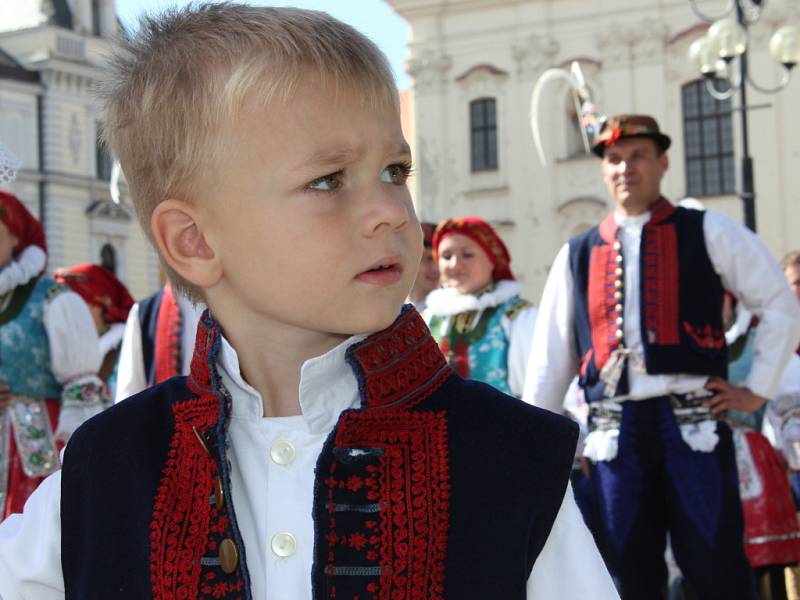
158,341
109,302
634,307
49,358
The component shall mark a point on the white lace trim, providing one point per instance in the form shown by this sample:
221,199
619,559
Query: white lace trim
750,484
449,301
26,266
9,164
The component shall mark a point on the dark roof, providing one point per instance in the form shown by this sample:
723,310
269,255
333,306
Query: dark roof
11,69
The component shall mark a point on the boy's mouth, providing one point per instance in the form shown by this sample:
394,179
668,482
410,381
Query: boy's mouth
386,271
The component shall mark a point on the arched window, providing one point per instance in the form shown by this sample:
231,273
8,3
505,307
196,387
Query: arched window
108,258
483,134
708,142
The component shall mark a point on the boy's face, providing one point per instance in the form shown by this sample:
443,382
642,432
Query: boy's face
311,217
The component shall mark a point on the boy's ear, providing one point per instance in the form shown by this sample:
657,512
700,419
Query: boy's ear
182,245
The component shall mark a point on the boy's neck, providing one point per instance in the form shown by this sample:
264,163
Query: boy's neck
271,356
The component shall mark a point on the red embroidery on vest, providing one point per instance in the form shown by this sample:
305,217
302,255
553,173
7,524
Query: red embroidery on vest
660,284
706,337
182,511
585,363
400,364
407,537
186,526
602,313
168,337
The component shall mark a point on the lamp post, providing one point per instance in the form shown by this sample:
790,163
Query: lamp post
715,55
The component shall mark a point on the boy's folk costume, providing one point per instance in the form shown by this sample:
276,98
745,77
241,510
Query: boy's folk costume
634,308
485,335
187,480
100,288
158,341
49,358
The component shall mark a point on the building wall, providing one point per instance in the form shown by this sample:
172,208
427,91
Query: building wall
634,54
79,218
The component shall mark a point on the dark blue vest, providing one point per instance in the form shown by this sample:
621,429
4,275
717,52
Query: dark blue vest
680,298
463,484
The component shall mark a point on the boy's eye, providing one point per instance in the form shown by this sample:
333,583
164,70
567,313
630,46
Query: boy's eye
328,183
396,174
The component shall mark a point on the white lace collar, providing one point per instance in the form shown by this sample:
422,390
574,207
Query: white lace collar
449,301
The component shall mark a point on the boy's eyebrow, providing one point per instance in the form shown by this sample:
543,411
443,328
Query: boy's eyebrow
345,154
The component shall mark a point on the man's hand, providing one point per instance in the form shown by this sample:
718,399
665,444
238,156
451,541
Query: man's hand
729,396
5,397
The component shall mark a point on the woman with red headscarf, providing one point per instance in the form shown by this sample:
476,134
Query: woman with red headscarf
49,359
109,302
482,324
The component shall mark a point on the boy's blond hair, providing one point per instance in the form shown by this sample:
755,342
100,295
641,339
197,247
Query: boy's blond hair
182,78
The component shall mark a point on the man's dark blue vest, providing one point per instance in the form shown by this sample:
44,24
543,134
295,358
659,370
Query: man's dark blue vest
434,488
680,298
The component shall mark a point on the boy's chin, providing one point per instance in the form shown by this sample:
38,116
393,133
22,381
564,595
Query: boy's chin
376,319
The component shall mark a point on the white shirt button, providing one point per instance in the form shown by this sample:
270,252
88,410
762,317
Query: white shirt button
282,452
283,544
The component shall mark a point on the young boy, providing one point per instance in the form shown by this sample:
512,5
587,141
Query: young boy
304,456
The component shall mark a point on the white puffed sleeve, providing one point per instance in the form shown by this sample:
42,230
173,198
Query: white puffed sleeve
519,331
27,265
74,360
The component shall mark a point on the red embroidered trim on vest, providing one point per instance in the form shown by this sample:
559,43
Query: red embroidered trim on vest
401,364
186,525
601,303
660,284
168,337
407,538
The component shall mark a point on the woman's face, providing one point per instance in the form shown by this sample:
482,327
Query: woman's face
463,264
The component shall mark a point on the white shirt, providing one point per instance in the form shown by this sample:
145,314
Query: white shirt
131,378
746,269
271,498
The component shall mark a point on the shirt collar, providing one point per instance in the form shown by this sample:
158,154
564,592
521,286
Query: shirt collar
327,387
632,221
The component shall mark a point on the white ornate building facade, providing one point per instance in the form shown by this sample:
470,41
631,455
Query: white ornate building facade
474,64
50,57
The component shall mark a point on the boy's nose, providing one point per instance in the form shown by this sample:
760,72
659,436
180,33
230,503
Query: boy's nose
386,210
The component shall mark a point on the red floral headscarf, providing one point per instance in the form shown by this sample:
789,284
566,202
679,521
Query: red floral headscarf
21,223
482,234
98,287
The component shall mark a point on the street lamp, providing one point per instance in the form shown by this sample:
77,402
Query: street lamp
714,56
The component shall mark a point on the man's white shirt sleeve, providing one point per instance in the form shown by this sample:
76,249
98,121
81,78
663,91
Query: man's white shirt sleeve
553,360
130,371
749,272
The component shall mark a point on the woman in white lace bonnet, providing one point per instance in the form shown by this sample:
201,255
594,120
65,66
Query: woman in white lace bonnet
482,324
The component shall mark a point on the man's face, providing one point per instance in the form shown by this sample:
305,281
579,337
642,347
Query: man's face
8,242
428,276
310,215
463,264
632,172
792,273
